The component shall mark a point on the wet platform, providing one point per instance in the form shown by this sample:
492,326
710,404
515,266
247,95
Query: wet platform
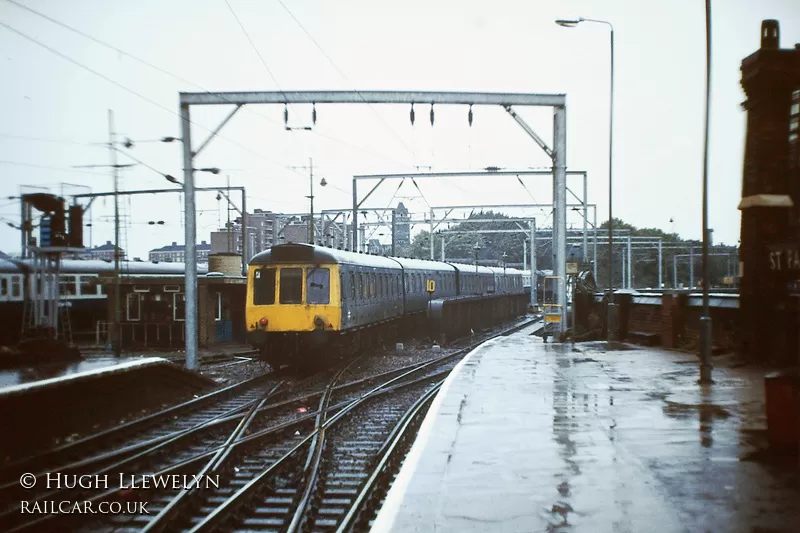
527,436
19,379
43,405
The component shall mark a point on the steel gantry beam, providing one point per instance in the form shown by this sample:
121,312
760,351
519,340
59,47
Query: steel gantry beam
238,99
372,97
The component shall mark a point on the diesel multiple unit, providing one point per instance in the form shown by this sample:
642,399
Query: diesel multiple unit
301,298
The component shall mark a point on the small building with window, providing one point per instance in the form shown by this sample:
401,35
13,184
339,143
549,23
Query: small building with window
153,310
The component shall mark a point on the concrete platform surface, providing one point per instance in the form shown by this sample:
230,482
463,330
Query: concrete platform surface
26,378
527,436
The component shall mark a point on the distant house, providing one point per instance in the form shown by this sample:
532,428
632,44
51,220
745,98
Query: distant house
104,252
176,253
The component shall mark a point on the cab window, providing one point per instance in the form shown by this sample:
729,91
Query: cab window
318,286
291,286
264,286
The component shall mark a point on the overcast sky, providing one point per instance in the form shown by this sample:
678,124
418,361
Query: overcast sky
464,45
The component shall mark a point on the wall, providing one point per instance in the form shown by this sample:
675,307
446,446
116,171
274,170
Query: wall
674,318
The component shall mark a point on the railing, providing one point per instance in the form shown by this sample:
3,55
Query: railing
144,334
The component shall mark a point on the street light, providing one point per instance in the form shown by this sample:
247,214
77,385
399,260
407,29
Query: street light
705,320
611,316
476,249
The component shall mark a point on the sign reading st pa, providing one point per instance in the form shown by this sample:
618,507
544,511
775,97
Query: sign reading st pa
784,257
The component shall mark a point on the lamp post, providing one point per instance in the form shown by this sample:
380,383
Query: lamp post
705,320
476,249
611,316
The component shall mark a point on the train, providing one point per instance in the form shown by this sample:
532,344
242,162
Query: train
78,287
306,300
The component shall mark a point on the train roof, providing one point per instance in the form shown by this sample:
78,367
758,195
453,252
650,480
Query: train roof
471,269
97,266
507,271
423,264
307,253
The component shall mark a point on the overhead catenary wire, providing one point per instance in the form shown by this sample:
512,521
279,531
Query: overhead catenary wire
344,76
40,139
50,167
135,93
255,48
388,205
248,109
139,95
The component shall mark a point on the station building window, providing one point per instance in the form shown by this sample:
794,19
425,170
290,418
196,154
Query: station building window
179,307
67,285
87,285
133,306
218,308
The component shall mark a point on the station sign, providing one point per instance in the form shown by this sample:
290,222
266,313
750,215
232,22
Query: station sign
572,267
783,260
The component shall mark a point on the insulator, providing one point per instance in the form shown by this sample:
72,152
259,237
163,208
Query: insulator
286,115
412,114
431,114
314,114
469,115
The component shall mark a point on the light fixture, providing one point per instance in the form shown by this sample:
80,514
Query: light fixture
569,23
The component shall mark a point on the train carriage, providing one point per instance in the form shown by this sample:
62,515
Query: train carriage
315,302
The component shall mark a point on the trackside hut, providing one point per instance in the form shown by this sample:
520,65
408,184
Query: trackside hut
153,310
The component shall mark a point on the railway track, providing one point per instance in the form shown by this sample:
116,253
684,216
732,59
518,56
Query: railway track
288,459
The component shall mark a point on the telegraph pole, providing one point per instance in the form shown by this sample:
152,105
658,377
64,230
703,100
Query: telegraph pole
115,337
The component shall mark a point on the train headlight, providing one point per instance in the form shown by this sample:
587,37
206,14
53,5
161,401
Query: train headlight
319,322
263,321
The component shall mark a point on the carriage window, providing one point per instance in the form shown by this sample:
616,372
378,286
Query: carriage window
385,284
67,285
178,307
16,286
134,307
372,290
264,286
291,286
318,286
4,287
353,285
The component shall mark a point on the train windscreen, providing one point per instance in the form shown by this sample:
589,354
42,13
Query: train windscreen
264,286
291,286
318,286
